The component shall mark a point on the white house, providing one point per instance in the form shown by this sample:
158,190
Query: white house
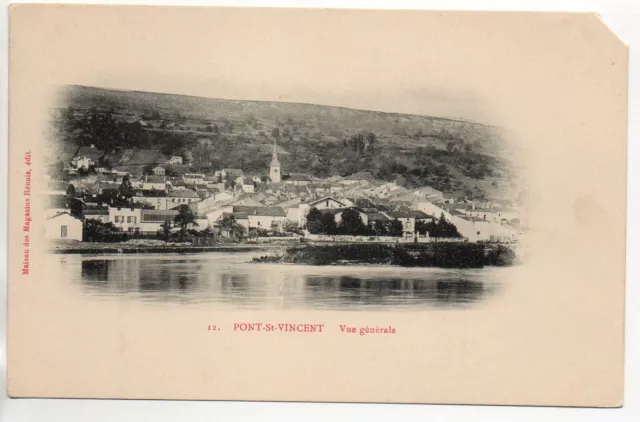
267,218
193,178
152,220
325,203
125,219
86,157
175,159
247,184
96,213
183,196
82,162
473,228
435,210
63,226
298,179
156,198
158,170
154,182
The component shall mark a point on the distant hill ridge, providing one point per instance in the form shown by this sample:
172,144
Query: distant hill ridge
414,150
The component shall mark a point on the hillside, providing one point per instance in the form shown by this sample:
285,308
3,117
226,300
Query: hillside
449,155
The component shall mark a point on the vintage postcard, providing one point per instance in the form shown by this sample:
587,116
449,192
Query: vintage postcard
316,205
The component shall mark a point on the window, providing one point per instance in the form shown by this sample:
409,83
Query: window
63,232
130,229
131,219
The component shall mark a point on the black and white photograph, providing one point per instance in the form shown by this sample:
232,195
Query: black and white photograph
242,203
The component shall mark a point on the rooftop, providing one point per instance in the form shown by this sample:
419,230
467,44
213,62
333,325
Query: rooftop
183,193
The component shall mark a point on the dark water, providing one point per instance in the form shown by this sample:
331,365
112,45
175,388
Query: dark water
230,281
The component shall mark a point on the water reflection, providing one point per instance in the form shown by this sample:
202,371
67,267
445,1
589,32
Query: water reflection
386,291
229,280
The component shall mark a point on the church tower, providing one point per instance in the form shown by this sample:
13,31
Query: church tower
274,170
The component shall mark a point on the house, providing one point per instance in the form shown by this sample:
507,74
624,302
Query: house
239,217
154,182
375,219
153,220
63,226
295,214
327,202
125,218
473,228
184,196
268,218
320,189
324,203
247,184
156,198
96,213
158,170
86,157
176,183
193,178
409,219
433,209
175,160
82,162
211,203
296,179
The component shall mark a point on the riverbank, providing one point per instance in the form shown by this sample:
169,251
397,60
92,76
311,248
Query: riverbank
137,248
443,255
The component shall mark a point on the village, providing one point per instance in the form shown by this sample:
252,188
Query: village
166,201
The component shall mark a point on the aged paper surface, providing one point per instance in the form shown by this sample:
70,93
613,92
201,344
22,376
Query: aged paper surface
523,144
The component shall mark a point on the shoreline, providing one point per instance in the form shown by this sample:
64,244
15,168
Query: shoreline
133,249
442,255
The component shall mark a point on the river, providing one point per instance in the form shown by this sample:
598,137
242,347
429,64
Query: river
231,281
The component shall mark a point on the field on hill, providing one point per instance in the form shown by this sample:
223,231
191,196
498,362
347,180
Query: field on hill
448,155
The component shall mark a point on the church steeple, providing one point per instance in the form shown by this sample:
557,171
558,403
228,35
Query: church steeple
274,170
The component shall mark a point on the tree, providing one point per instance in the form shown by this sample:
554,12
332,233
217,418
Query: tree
351,223
125,190
185,219
97,231
328,223
445,228
314,223
395,228
275,132
166,230
438,229
231,227
291,227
